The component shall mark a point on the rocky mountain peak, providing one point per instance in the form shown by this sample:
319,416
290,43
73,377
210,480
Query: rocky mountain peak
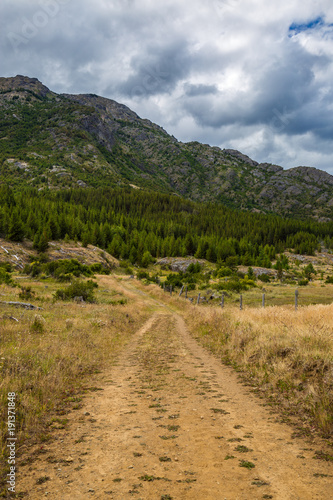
24,82
240,156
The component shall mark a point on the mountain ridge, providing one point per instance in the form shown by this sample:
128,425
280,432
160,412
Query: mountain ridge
51,140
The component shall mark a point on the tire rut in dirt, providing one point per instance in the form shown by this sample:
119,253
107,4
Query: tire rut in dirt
172,422
177,448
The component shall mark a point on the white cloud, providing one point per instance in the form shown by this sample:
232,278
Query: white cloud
229,72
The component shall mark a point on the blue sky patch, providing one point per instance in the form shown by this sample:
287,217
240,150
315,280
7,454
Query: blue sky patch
295,28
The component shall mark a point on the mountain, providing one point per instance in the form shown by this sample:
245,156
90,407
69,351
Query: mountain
62,140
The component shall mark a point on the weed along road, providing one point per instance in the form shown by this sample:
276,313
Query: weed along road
171,422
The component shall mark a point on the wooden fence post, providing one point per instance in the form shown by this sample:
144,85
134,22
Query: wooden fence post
164,287
170,290
186,292
222,300
241,302
296,299
198,299
181,290
263,300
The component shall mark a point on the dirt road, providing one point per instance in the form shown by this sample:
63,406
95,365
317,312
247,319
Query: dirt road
173,422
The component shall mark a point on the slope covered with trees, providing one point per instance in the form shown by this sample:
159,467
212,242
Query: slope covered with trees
140,225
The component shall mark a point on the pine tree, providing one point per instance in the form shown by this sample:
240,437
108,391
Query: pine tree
15,228
189,245
146,259
85,239
133,256
43,243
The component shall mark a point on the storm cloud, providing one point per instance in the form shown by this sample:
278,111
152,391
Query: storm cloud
239,74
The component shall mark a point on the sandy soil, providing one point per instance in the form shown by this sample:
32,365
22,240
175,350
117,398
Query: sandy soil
173,423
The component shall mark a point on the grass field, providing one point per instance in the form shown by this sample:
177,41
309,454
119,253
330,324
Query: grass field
286,355
281,295
49,357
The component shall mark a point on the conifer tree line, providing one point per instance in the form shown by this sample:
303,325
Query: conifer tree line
140,225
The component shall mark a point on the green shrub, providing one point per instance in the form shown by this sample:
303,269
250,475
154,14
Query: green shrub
190,286
232,261
236,285
6,266
64,269
63,278
128,270
249,282
146,259
35,268
224,271
72,266
43,258
264,278
26,293
38,324
6,277
309,270
121,302
174,280
142,275
84,289
193,268
250,274
99,268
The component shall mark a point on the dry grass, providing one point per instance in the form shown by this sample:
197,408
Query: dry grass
286,354
278,294
49,355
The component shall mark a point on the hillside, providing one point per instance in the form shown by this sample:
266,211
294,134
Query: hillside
18,254
140,225
61,140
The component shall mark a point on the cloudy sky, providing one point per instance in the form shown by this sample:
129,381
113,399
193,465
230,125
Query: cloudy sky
251,75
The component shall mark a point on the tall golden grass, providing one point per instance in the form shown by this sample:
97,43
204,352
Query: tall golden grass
47,356
286,354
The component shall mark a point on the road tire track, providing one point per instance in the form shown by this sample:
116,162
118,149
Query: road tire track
173,422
